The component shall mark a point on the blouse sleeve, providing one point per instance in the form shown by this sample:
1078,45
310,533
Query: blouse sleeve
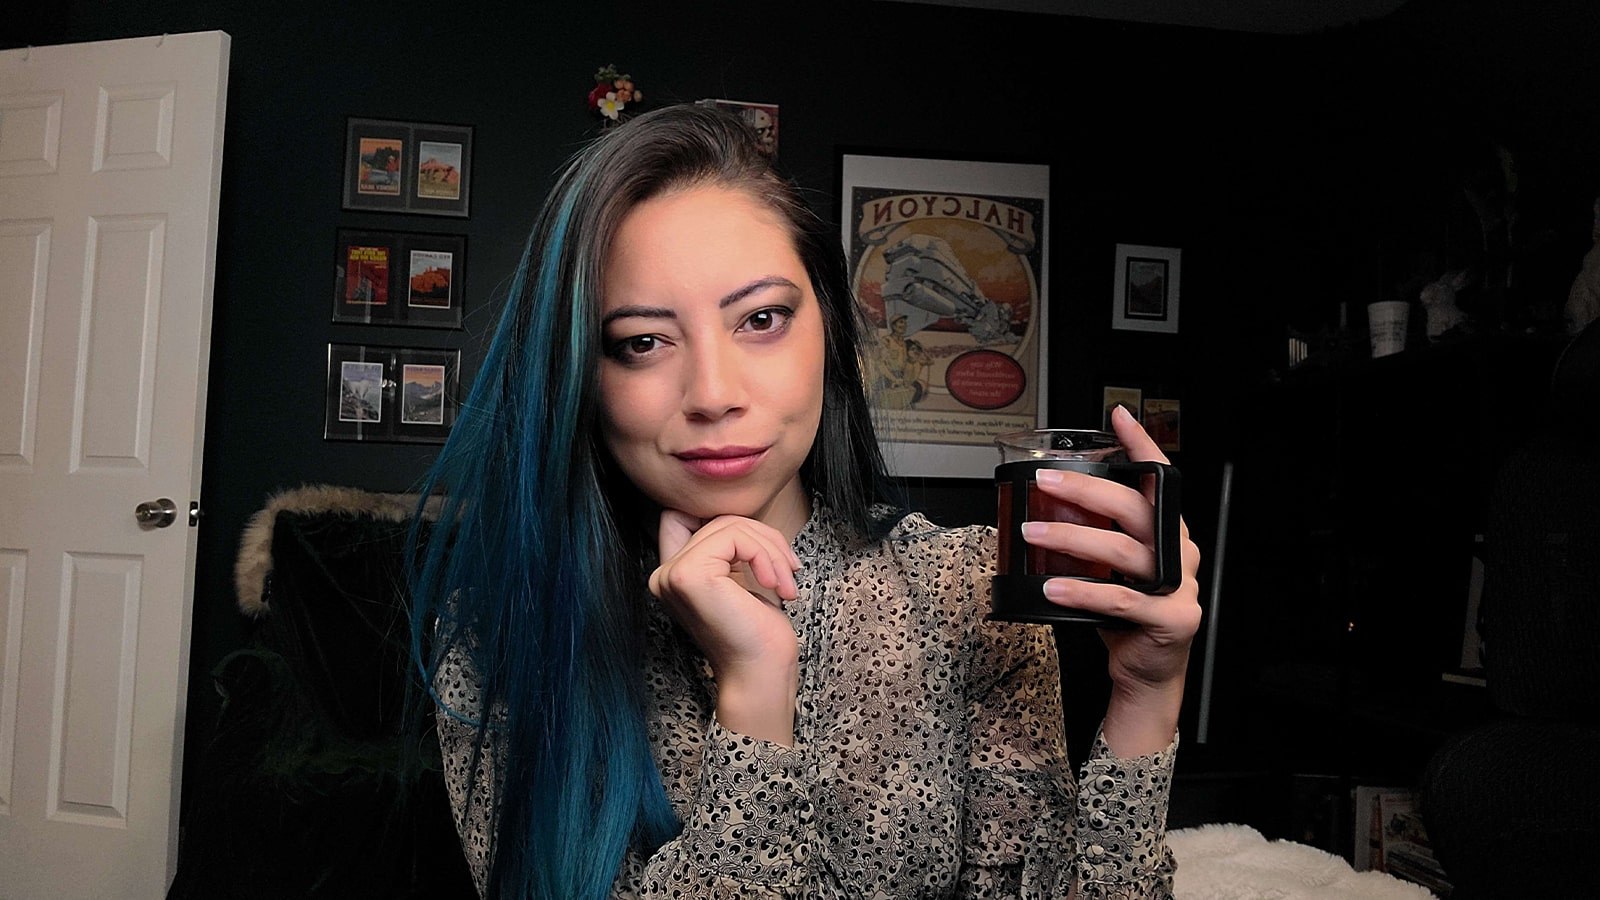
740,840
472,790
742,837
1032,831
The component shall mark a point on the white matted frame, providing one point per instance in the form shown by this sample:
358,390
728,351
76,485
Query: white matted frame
1145,297
950,259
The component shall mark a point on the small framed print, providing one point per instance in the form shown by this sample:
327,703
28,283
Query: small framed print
1162,421
1145,297
375,166
399,278
426,401
360,392
421,394
407,167
391,393
1113,397
761,117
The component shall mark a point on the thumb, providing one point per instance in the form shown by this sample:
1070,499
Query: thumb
674,532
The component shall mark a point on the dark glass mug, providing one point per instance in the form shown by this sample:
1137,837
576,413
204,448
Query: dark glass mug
1018,589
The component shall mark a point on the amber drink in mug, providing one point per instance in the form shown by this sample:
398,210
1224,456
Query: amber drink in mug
1023,568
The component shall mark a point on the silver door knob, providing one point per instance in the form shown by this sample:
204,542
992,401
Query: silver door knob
156,513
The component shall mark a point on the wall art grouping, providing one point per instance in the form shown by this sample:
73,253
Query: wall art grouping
399,278
408,167
1162,417
391,393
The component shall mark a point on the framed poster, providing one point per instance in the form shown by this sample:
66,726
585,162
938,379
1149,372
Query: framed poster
1163,421
391,393
1113,397
399,278
1146,294
407,167
949,258
761,117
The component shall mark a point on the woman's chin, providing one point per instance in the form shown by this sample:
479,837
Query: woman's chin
784,508
700,509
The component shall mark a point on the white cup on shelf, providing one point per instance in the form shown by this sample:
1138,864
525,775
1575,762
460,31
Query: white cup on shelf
1386,323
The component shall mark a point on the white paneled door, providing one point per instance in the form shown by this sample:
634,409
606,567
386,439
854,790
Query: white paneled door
110,162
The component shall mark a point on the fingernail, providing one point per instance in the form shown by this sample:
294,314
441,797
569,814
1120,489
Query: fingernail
1056,589
1049,476
1031,530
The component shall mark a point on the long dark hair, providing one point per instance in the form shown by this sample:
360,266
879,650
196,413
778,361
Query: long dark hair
530,572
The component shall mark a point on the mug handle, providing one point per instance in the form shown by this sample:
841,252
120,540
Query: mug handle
1169,514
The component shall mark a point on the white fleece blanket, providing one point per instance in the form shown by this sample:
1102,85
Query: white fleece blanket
1234,862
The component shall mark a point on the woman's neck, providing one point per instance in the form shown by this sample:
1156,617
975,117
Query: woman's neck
789,510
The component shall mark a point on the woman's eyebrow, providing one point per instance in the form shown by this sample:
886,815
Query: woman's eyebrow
641,312
757,285
662,312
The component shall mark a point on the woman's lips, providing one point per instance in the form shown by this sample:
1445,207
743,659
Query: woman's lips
722,462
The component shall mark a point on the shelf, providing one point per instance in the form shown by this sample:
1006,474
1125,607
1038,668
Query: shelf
1477,348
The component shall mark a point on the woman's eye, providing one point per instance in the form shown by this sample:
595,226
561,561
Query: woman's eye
630,349
768,320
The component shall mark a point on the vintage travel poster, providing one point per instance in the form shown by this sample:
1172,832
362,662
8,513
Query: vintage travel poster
380,166
422,395
430,278
948,258
360,391
1163,420
439,170
366,275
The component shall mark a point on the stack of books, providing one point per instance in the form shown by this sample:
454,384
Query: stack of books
1390,837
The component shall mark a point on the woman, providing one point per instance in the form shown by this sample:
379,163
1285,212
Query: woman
685,647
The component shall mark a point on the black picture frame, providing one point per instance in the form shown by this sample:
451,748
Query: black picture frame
420,168
392,394
413,279
1145,288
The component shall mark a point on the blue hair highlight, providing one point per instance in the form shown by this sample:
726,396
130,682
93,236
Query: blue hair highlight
520,574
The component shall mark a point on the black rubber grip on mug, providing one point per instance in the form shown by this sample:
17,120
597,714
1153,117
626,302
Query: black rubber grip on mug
1169,525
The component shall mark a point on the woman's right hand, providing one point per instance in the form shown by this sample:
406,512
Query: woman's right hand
724,581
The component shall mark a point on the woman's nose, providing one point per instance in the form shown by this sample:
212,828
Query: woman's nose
715,384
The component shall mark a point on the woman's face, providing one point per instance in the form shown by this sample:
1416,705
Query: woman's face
711,377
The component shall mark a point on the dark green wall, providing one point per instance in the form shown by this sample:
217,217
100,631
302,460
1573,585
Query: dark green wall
1293,171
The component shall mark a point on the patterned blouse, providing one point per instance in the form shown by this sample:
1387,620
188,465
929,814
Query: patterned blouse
928,757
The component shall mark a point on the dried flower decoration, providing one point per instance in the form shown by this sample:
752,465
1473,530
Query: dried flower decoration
612,93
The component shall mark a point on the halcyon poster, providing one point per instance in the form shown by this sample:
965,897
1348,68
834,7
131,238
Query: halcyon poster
948,258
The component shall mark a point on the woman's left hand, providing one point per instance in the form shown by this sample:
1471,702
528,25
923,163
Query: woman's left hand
1151,658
